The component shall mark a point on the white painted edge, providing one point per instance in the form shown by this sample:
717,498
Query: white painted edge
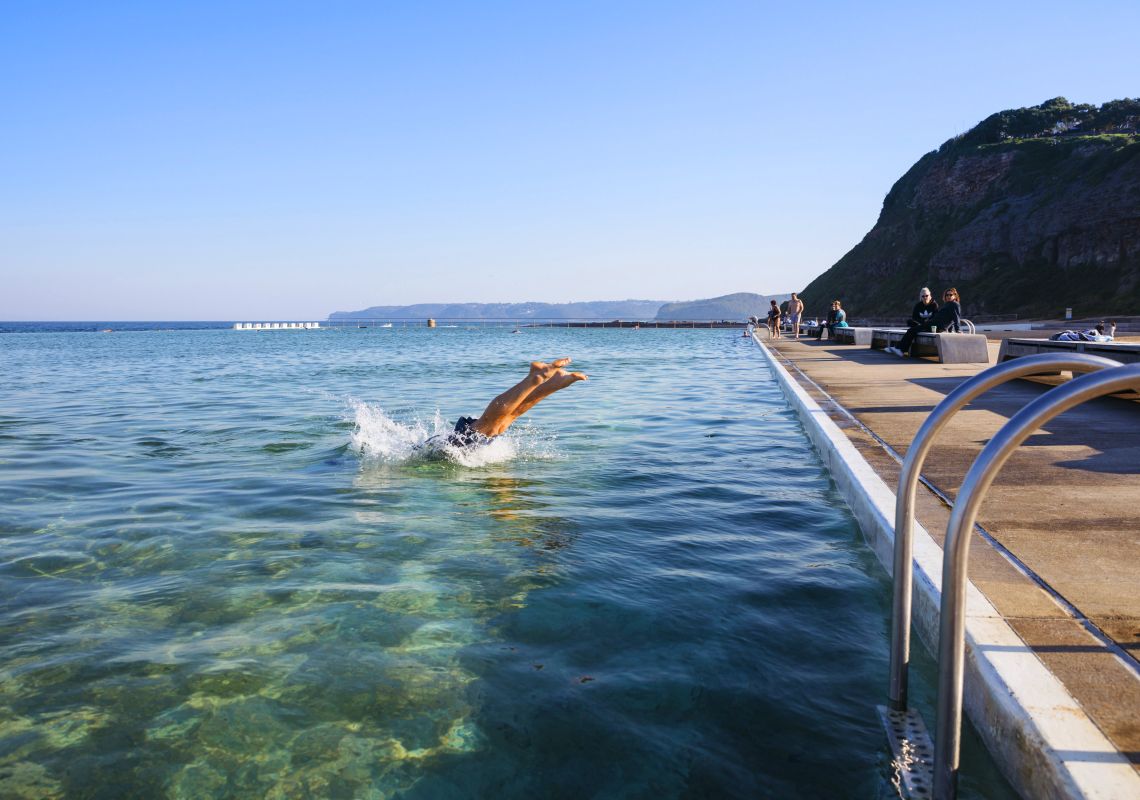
1037,732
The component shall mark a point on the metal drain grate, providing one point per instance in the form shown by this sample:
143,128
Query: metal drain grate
912,753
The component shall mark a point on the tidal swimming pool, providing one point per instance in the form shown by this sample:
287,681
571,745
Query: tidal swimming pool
226,571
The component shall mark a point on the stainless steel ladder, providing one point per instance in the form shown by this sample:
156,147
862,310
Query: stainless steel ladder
917,774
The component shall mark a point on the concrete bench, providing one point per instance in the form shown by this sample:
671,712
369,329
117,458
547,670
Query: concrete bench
860,336
948,348
1124,352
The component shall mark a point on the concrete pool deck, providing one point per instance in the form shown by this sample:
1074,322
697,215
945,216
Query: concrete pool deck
1067,507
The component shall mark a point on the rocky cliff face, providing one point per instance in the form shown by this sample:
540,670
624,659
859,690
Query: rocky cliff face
1021,224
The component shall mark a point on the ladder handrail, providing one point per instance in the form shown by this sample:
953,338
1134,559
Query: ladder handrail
903,570
956,550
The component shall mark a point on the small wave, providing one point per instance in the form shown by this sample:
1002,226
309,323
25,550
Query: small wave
378,437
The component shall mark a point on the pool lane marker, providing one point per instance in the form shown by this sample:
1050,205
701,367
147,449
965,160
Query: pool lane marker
1035,729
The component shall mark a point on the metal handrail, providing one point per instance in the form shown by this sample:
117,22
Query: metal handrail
908,485
956,550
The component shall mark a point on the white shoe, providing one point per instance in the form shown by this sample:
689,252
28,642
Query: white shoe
894,351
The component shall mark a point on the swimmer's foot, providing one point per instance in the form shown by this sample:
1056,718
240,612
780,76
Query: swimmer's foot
543,370
561,378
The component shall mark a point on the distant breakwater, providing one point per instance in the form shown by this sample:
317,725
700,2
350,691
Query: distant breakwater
370,322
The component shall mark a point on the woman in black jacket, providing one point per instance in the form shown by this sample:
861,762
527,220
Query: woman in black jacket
949,316
920,319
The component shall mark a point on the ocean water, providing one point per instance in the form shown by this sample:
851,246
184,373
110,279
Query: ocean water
96,326
228,570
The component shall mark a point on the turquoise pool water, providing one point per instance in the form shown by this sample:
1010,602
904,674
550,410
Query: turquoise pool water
226,571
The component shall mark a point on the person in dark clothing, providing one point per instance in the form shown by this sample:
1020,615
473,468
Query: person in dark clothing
919,320
949,316
774,320
836,318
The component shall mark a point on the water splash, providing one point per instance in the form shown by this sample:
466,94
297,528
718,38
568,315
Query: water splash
379,438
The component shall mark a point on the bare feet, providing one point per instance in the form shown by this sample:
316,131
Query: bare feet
561,378
543,370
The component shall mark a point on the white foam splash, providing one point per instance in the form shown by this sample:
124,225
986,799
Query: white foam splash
378,437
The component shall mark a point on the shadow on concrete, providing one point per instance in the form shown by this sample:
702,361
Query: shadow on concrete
802,340
890,409
865,355
1105,425
1048,648
1098,756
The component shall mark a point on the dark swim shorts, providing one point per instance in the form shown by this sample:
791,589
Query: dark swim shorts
466,436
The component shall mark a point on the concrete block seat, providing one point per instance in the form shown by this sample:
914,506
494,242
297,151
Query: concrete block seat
853,336
948,348
1124,352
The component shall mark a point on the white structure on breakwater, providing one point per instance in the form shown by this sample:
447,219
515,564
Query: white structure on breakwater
276,326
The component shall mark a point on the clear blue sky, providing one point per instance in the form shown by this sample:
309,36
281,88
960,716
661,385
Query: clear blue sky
245,160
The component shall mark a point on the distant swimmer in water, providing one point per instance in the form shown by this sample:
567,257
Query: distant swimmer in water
542,381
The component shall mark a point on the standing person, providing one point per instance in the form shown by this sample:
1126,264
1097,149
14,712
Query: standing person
795,309
836,318
774,320
919,320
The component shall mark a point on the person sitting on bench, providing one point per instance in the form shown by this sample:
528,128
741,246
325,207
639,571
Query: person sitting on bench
836,318
919,320
947,318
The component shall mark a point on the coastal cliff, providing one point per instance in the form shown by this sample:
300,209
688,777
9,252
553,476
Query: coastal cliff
1032,211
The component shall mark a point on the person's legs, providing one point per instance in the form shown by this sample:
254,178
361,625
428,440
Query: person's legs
514,402
559,380
908,339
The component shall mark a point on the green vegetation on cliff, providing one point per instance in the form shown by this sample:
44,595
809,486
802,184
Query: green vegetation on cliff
1031,211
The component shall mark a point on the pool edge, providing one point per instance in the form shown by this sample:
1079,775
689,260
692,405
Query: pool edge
1042,740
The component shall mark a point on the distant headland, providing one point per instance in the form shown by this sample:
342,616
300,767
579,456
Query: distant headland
737,306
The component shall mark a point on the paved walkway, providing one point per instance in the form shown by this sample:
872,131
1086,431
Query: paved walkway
1067,505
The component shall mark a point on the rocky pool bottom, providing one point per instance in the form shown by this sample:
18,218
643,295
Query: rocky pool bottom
228,572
